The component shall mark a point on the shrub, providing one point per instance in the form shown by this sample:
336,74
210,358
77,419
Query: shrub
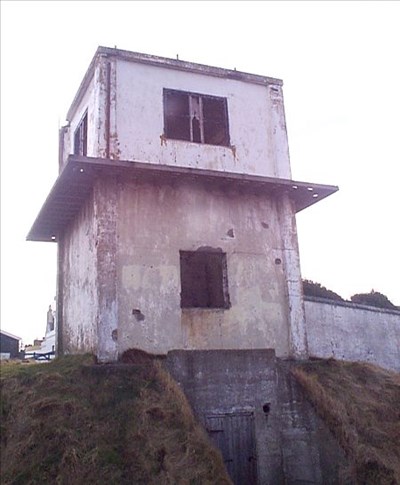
310,288
374,298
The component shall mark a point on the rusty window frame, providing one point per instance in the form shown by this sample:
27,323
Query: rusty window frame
204,279
182,125
80,136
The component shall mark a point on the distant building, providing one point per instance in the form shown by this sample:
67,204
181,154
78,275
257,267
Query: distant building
48,343
9,345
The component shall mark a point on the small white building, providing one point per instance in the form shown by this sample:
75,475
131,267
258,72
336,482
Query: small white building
174,212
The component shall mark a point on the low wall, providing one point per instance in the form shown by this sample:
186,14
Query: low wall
350,331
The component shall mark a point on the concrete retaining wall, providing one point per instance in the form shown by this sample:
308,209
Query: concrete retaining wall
353,332
292,446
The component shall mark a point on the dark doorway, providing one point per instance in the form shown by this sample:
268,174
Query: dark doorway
233,434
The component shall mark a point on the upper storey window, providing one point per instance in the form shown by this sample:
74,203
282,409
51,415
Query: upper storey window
80,137
195,117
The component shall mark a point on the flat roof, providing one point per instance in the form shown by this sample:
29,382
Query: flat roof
76,180
167,63
10,335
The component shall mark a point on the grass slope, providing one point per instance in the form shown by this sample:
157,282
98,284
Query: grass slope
361,405
74,422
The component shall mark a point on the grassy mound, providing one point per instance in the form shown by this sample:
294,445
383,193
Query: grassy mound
361,405
74,422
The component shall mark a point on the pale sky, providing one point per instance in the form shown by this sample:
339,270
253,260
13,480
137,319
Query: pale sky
340,65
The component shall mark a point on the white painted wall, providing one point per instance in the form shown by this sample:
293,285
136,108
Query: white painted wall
353,332
256,122
79,270
49,342
155,221
133,115
291,262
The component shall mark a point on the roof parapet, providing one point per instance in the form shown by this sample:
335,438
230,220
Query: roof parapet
166,63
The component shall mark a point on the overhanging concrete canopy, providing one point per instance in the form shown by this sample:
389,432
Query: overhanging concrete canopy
76,180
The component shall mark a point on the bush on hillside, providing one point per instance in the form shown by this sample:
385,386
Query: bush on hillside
374,298
310,288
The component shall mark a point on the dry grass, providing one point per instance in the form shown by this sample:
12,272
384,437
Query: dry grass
74,422
361,405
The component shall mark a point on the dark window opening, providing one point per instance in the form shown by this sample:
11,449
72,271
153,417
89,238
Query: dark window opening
196,117
80,137
204,280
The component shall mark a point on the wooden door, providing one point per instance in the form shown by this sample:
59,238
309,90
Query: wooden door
233,434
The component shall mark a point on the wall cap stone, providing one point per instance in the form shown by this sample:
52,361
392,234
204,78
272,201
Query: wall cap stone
348,304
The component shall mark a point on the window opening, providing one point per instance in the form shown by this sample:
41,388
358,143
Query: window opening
80,137
204,280
196,117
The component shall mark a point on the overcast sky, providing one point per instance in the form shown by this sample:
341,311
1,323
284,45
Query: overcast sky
340,65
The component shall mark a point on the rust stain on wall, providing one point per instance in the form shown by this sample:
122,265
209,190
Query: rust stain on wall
115,151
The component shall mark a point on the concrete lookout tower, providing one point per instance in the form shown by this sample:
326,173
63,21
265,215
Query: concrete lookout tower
174,212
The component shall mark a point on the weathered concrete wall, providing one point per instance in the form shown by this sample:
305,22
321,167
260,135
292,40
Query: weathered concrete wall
124,101
217,382
100,107
120,269
353,332
155,221
141,228
256,122
294,284
105,215
79,305
310,453
293,446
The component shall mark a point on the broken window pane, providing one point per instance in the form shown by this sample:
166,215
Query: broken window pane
215,121
196,118
176,115
80,137
204,282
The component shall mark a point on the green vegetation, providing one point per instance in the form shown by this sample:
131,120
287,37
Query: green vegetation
310,288
374,298
361,405
74,422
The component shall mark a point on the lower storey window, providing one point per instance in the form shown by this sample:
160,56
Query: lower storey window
204,279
